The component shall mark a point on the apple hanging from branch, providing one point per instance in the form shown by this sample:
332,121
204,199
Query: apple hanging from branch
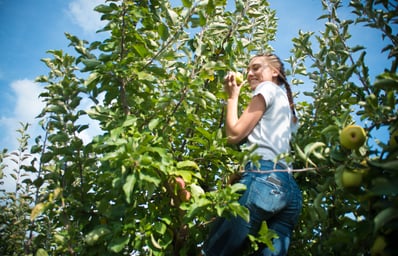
182,192
352,137
351,179
180,182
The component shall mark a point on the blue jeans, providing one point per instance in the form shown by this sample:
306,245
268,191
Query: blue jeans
272,197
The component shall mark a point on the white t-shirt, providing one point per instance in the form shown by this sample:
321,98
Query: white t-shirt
273,132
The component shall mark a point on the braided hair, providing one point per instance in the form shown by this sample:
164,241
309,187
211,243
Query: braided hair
275,62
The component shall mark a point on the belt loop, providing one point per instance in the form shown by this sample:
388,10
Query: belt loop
290,172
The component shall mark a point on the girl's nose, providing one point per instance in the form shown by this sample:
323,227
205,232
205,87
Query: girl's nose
249,73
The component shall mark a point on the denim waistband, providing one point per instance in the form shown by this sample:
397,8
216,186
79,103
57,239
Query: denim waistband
267,167
264,165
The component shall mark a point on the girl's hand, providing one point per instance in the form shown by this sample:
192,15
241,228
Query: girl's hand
230,85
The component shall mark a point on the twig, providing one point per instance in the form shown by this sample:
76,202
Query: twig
284,170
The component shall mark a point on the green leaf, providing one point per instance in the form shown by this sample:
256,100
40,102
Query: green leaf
384,186
163,31
187,3
150,178
384,217
240,210
128,187
103,8
264,236
91,63
155,243
97,233
173,16
303,156
196,190
92,80
210,96
310,148
330,130
141,49
37,210
117,244
386,84
204,132
153,123
41,252
160,227
187,164
237,187
389,165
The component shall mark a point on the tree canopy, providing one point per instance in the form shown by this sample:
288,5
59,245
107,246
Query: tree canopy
156,178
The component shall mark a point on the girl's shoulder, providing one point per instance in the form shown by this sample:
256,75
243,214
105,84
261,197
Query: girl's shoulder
268,89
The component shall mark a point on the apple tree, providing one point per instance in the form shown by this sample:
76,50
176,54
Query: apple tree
156,177
350,204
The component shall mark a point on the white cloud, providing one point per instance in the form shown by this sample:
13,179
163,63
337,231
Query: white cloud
25,110
82,13
27,107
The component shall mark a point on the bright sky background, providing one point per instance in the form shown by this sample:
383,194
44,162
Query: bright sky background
29,28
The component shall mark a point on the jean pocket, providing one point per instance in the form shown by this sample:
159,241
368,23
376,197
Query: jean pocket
267,194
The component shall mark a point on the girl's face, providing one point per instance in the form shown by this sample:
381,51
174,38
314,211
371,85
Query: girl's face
259,71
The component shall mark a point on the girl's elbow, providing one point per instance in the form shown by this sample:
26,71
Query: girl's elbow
233,139
235,136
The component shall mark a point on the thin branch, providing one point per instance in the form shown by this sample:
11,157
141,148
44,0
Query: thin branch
285,170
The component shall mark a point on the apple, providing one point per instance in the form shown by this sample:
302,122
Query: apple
185,195
238,78
378,246
180,182
351,179
352,137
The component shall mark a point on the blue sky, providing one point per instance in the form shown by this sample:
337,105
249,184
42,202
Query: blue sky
29,28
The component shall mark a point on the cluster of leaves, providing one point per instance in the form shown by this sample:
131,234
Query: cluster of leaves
15,205
156,88
335,218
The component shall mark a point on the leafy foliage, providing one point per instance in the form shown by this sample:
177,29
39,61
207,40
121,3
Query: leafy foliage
337,219
16,204
155,84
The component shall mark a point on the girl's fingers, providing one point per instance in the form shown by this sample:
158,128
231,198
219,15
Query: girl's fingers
229,77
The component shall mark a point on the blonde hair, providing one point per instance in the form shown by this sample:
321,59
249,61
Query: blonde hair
275,62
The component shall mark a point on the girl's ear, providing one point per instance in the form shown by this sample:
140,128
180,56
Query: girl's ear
275,72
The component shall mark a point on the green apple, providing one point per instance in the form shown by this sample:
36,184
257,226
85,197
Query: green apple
352,137
378,246
238,78
351,179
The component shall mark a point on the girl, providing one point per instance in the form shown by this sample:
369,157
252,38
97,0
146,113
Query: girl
267,122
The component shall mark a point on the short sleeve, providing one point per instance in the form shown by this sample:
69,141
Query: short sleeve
268,91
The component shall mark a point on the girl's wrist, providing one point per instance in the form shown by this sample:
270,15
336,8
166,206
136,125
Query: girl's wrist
233,98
